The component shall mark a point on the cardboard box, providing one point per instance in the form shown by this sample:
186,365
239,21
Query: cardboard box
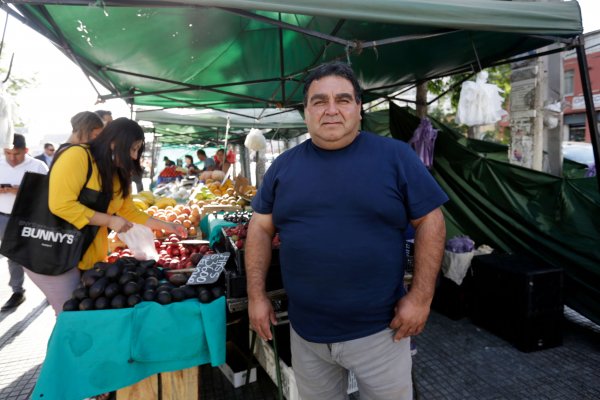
235,368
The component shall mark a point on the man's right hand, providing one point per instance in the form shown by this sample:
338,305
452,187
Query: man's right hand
260,311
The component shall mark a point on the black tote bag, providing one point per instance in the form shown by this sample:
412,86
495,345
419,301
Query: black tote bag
38,239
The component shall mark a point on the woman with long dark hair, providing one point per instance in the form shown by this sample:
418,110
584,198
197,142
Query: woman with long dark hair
106,164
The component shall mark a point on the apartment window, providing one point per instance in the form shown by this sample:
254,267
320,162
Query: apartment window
569,82
577,133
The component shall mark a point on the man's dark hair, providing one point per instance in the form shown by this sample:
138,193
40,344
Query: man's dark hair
19,141
201,152
335,68
102,113
46,145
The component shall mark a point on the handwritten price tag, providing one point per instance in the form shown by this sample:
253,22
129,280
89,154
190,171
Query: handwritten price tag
209,269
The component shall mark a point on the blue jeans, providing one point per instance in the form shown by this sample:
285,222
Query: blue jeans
15,270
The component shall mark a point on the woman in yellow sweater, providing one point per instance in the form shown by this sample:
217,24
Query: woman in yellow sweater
115,155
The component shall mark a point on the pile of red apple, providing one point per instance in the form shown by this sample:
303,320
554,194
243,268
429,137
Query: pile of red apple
175,255
172,254
238,234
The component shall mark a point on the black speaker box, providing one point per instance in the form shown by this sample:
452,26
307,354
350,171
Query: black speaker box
450,299
519,299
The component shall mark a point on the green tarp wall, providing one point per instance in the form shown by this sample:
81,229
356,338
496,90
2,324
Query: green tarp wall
518,210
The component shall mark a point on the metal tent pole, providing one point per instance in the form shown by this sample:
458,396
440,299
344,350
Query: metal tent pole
590,111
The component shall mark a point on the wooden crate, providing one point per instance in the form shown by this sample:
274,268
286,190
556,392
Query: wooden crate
177,385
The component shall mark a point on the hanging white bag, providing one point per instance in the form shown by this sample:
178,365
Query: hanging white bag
6,119
255,140
480,102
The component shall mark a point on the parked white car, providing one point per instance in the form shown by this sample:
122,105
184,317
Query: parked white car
580,152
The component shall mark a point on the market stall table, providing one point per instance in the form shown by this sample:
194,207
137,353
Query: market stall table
211,225
93,352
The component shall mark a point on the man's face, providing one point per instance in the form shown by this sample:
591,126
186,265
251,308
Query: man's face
332,114
49,151
15,157
201,157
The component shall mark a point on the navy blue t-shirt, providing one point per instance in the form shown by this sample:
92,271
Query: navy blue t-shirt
341,216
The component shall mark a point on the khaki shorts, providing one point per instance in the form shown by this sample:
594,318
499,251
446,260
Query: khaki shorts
382,368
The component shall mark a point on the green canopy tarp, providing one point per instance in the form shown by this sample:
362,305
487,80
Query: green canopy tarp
518,210
189,126
241,53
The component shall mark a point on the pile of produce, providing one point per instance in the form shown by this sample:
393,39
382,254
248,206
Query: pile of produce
188,216
175,255
215,193
238,217
236,235
127,282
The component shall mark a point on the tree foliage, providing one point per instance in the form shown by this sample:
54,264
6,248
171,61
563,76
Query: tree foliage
13,86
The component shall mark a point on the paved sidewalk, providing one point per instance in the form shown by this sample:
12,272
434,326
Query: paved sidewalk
24,333
455,360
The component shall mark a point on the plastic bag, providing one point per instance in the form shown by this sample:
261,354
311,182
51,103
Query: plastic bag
458,254
480,102
255,140
6,119
423,141
456,265
140,241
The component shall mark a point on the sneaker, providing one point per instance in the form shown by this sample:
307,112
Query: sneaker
413,346
15,301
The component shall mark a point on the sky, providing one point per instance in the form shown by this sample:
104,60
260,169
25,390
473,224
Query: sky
62,90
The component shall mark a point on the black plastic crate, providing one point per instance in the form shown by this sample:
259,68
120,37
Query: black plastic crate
235,283
519,299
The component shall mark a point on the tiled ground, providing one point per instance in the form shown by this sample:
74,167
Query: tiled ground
456,360
24,333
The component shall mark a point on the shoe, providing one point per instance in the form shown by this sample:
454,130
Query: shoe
413,346
15,301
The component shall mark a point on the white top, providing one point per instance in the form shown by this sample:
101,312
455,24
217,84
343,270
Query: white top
48,158
14,175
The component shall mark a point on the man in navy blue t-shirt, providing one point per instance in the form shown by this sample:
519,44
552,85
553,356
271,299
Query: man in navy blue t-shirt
341,203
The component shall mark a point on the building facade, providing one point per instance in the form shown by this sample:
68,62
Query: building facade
576,126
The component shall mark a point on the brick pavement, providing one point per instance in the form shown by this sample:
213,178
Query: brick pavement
24,333
456,360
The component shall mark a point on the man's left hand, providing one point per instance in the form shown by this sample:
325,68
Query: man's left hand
410,317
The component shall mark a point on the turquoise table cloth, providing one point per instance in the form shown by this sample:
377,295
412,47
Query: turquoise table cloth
93,352
211,225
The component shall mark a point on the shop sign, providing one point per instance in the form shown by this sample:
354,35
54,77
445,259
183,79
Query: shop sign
578,103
